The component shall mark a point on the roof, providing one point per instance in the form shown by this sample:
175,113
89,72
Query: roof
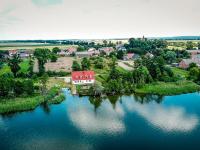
189,61
130,55
83,75
71,49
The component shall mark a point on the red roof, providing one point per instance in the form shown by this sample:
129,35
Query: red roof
83,75
130,55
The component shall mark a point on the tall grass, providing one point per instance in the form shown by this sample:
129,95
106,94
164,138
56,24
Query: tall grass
20,104
171,88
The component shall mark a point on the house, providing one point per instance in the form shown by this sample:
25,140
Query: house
128,56
106,50
83,54
184,64
120,47
93,52
71,50
25,53
83,77
193,52
12,52
131,56
149,55
68,51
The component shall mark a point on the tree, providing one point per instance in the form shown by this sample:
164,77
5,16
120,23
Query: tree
189,45
170,56
6,84
198,45
31,65
120,54
54,57
14,64
105,42
99,63
76,66
85,63
194,73
81,48
43,81
192,65
43,56
28,87
55,50
18,87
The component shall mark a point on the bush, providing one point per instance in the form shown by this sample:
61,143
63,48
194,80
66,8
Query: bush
57,74
28,87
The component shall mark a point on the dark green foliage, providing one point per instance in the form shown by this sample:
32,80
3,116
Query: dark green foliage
54,57
55,50
120,54
43,81
76,66
28,87
142,46
99,63
31,65
85,64
170,56
18,87
6,84
192,65
14,64
189,45
57,74
43,55
198,45
81,48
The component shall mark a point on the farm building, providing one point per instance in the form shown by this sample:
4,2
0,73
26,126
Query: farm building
12,52
83,77
106,50
184,64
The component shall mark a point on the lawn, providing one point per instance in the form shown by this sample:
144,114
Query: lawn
177,71
24,66
169,88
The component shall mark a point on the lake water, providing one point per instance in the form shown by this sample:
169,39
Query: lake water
126,122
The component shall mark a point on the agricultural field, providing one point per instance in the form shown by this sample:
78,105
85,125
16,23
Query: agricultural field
32,46
62,64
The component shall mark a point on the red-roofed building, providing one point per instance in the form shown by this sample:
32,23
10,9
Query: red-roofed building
83,77
12,52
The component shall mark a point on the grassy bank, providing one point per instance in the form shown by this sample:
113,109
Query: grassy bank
171,88
53,96
20,104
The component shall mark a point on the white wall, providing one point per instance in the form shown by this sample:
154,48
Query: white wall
80,82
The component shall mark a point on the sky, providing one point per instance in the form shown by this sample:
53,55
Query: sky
97,19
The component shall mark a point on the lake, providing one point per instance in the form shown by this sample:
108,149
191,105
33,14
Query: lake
125,122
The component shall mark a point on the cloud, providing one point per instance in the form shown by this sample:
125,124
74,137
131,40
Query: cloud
86,120
166,118
46,2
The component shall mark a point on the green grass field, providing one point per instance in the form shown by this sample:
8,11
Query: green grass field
181,72
169,88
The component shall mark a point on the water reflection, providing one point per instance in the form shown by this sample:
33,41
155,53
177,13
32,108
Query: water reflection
166,118
109,114
106,120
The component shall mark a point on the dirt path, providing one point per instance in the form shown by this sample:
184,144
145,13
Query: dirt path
124,66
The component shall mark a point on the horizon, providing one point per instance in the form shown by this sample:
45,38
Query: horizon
93,19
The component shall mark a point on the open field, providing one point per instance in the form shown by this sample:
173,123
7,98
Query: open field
32,47
62,64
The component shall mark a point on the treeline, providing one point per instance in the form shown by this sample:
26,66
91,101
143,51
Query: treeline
143,45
